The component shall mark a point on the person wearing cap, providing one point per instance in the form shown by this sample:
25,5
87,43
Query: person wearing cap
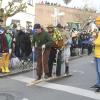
55,52
42,42
61,32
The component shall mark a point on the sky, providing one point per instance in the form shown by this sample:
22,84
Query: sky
95,4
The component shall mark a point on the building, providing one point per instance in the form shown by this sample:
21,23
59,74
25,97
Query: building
26,18
53,14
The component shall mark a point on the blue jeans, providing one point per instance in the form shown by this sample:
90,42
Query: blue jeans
98,71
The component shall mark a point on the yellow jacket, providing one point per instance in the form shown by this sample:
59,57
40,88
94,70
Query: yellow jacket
97,46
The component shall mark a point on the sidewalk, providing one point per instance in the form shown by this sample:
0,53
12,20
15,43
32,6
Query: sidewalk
76,57
26,67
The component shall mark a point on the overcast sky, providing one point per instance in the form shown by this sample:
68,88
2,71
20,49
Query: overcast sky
79,3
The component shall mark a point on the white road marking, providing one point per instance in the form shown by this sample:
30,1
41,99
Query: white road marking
22,79
78,71
92,61
64,88
25,99
71,89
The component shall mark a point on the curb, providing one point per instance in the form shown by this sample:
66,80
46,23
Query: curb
30,69
15,73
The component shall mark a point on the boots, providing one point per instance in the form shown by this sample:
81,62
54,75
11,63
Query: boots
6,66
2,65
7,69
2,69
67,70
5,63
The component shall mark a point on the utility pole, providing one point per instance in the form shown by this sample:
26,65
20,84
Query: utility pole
0,3
56,15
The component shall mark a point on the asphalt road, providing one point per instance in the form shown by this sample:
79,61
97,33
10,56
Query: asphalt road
76,87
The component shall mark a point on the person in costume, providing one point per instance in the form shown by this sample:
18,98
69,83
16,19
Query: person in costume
5,50
56,50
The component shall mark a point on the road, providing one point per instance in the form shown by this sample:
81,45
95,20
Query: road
76,87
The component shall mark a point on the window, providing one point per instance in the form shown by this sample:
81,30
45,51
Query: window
17,22
30,2
28,25
17,0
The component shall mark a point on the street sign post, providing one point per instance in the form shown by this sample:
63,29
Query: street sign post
56,15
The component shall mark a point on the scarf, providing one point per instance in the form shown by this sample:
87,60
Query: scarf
3,42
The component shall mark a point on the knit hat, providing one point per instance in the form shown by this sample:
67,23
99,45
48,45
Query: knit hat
59,25
37,26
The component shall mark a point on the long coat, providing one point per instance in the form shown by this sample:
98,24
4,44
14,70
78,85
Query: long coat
23,45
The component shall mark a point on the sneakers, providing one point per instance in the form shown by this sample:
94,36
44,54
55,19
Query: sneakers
95,86
97,90
68,74
46,76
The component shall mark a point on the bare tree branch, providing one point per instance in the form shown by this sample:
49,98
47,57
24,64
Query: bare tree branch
11,9
84,16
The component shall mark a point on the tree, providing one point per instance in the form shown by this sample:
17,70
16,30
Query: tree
11,9
67,1
86,15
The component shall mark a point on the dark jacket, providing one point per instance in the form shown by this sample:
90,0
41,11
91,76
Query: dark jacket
22,45
42,38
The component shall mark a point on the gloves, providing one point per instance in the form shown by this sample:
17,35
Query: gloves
10,50
43,46
14,40
33,48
